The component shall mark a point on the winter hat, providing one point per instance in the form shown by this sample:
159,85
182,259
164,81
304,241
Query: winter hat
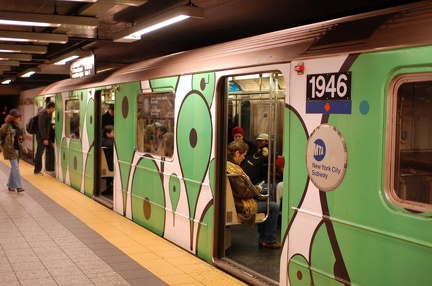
237,130
14,112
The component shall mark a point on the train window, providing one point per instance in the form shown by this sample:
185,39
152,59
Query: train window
72,119
412,113
155,123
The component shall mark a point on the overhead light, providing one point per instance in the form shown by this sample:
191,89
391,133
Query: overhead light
18,57
31,49
15,36
178,14
7,81
29,72
46,20
70,57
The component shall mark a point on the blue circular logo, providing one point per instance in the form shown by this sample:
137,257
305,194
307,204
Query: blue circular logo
320,150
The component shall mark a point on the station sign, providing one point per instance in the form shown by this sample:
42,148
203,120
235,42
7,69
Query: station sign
82,67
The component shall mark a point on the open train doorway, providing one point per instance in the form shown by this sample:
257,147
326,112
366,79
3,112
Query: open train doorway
103,147
253,107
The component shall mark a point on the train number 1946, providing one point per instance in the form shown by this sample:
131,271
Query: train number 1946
329,86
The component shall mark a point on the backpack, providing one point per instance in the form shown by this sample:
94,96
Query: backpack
32,125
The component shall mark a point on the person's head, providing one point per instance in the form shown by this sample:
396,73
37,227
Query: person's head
15,115
108,131
237,133
237,151
50,108
161,130
262,140
111,109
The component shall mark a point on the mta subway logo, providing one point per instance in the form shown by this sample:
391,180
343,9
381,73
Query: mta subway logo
319,150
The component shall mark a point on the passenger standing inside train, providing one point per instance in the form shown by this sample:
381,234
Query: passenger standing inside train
245,198
11,136
43,140
108,117
108,147
238,134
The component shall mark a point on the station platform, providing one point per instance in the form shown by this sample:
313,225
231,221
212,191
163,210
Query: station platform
50,234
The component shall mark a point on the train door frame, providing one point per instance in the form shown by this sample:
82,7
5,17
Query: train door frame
221,260
97,182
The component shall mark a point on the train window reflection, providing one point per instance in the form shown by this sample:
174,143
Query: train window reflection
155,125
413,176
72,119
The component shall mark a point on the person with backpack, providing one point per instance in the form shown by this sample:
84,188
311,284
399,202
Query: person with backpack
43,140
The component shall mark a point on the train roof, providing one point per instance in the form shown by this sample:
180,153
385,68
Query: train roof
383,29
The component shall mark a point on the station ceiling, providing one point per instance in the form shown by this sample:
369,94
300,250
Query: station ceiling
224,20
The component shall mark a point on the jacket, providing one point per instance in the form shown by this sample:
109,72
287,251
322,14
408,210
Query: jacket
7,140
44,124
244,196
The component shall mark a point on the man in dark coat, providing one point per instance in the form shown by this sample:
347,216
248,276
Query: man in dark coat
43,140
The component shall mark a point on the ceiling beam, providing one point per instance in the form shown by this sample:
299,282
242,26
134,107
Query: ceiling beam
29,49
18,57
46,20
17,36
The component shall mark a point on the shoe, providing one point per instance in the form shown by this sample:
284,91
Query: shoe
38,174
274,244
51,173
19,190
11,190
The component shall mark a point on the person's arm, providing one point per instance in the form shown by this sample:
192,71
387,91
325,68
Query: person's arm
241,188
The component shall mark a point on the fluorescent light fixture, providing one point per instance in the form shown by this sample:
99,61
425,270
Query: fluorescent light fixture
31,49
18,57
46,20
70,57
170,17
7,81
29,72
15,36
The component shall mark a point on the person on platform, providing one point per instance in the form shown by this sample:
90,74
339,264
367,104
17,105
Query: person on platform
11,137
43,140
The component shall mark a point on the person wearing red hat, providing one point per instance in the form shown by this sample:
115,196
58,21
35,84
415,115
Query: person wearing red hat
238,134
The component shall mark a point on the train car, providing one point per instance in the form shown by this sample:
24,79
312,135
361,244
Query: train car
347,106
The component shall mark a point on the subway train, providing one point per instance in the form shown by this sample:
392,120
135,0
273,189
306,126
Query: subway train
347,106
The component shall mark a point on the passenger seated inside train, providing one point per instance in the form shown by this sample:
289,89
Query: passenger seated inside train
256,166
238,134
245,199
108,147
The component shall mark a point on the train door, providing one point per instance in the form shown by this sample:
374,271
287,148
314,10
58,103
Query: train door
104,169
255,103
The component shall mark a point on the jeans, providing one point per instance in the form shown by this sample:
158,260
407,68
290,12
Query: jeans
39,153
267,229
14,181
